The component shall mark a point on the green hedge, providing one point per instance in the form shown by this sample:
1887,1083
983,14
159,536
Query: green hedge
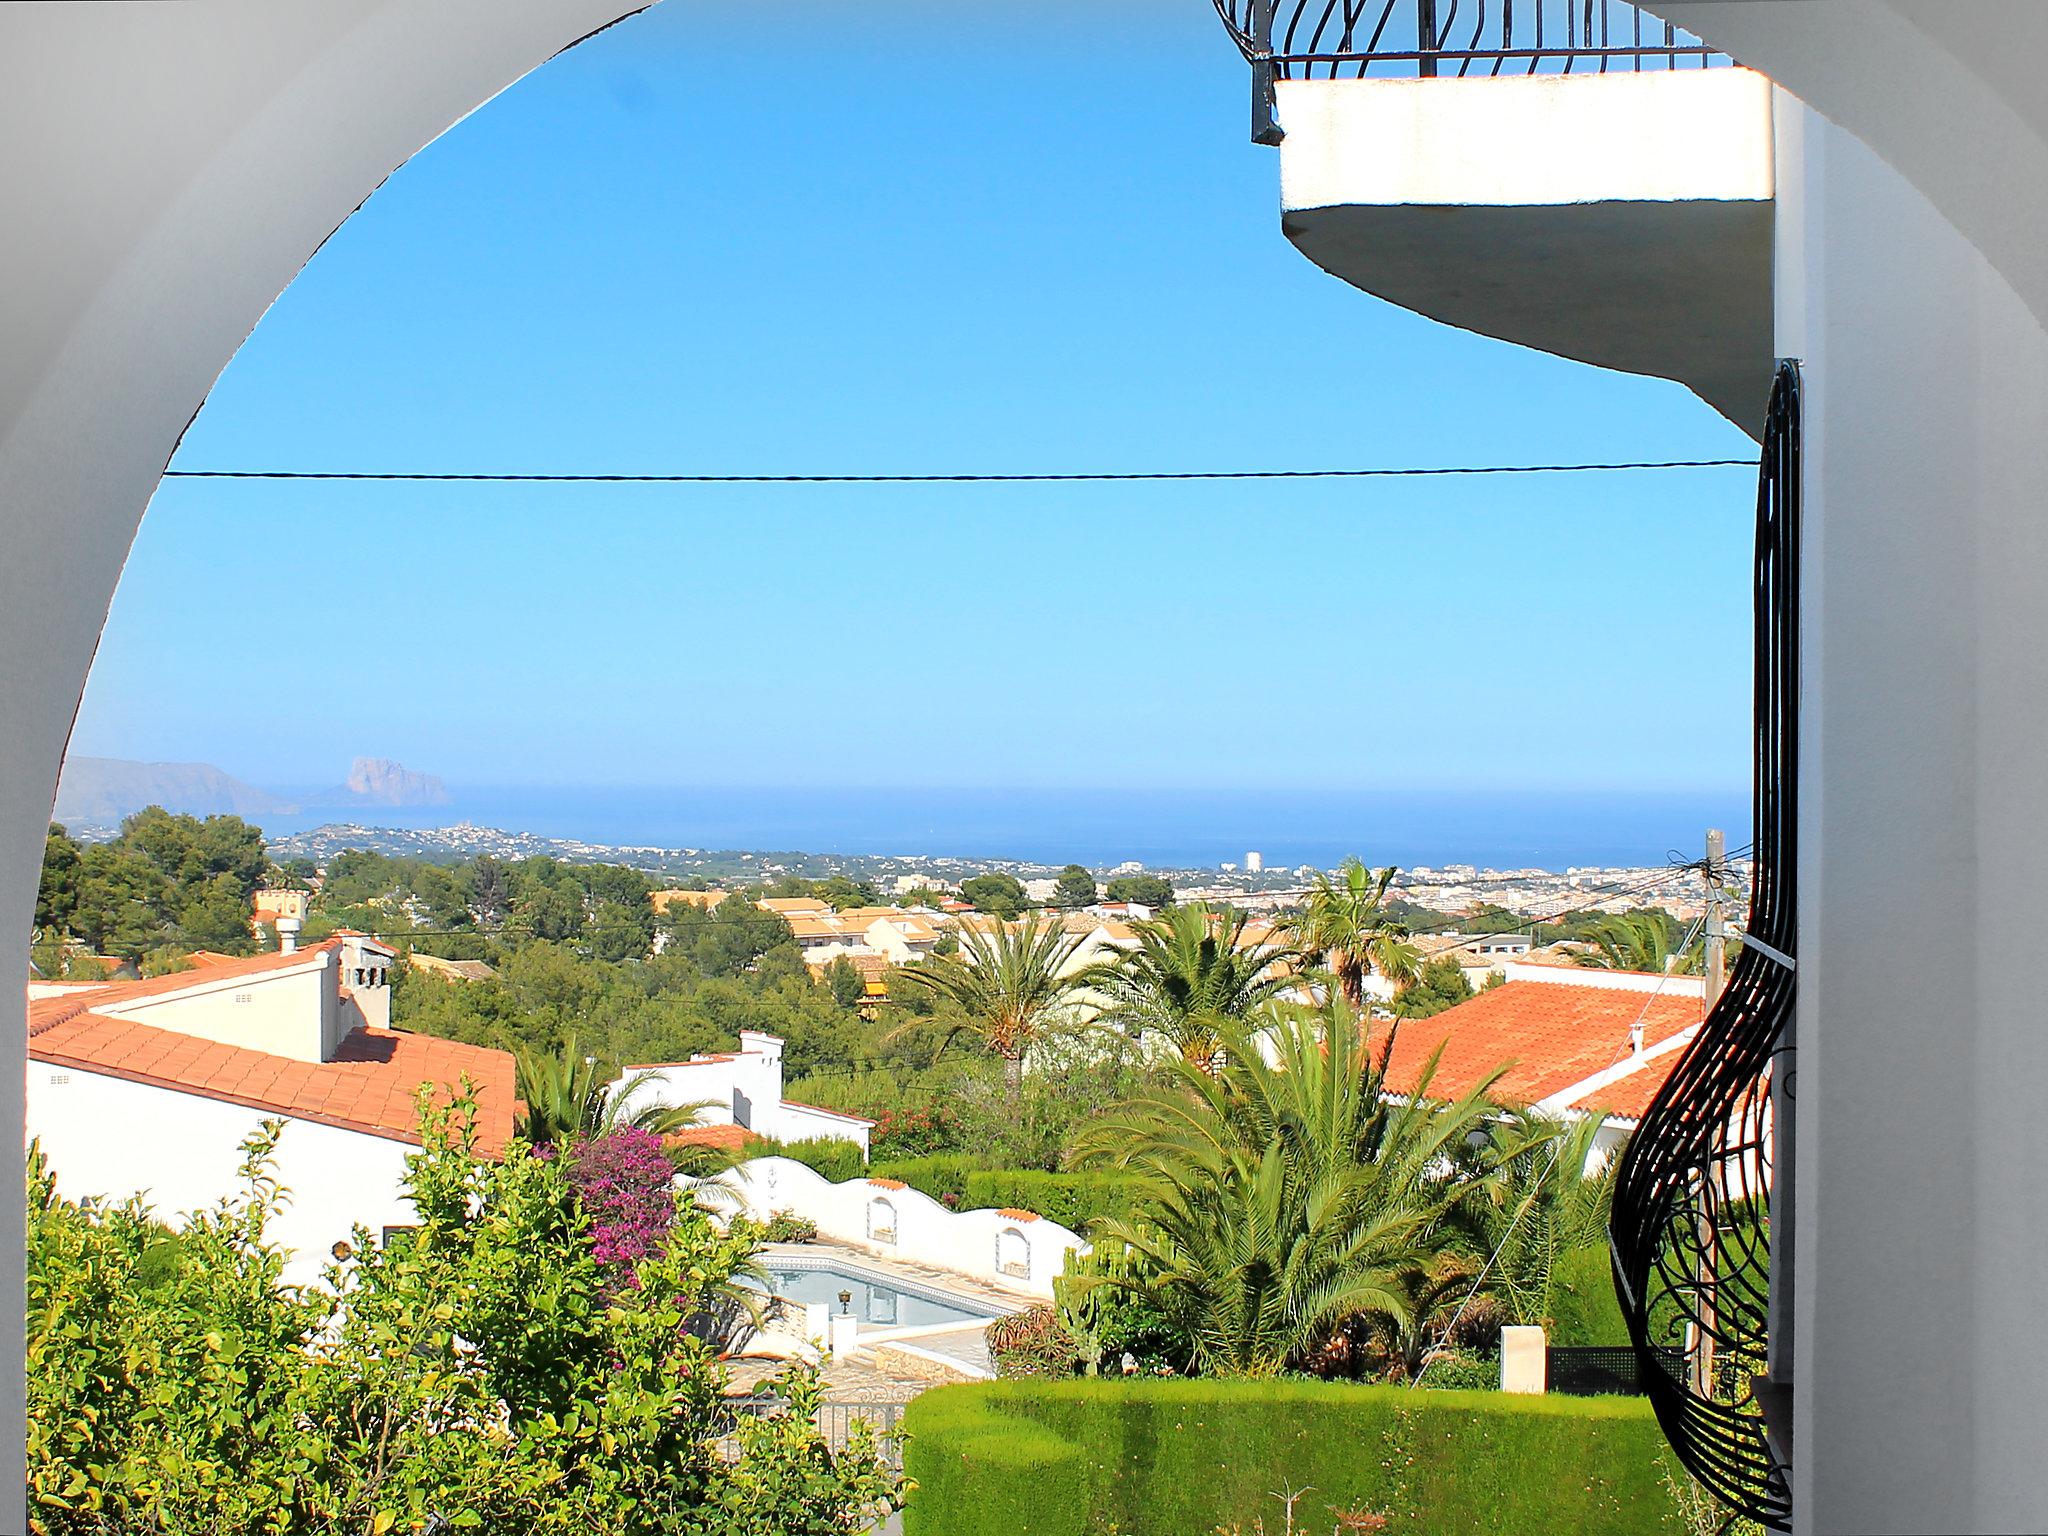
1181,1458
1071,1199
1583,1306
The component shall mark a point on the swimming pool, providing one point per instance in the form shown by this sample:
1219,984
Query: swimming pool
879,1301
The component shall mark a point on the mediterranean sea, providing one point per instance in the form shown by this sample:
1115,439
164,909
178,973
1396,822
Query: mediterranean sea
1168,829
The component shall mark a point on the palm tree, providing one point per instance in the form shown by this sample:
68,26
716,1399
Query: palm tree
1012,982
1190,981
1637,941
570,1096
1282,1198
1535,1194
1344,925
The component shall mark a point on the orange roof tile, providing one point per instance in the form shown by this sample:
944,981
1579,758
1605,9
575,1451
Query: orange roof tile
1549,1036
368,1087
728,1138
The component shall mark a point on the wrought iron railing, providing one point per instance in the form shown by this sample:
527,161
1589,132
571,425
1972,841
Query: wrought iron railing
1695,1202
1354,39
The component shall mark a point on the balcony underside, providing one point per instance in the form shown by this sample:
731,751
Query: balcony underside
1620,219
1674,290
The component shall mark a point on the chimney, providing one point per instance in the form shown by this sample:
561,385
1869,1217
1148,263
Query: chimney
288,935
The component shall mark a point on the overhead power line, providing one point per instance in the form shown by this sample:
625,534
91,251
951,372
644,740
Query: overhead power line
471,477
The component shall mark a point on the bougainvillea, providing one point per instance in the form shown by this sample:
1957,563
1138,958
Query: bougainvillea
624,1182
913,1133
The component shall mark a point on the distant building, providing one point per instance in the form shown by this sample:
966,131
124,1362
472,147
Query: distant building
150,1087
663,900
269,904
450,970
743,1092
1254,863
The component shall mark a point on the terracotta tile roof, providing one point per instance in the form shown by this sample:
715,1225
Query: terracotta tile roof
368,1087
788,904
217,968
727,1138
888,1183
1011,1214
1549,1036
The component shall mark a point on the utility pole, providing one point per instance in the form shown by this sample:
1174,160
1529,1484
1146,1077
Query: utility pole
1717,925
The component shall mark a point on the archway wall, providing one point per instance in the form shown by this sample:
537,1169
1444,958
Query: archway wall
169,169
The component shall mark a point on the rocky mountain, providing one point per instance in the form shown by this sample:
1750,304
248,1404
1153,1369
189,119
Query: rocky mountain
381,781
104,789
99,791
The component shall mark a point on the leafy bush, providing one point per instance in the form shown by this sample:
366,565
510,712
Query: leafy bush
788,1227
1583,1307
904,1133
1111,1316
1460,1370
826,1156
1170,1458
1034,1342
485,1374
963,1182
1074,1200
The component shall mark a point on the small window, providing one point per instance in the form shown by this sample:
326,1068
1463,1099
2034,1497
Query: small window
1013,1254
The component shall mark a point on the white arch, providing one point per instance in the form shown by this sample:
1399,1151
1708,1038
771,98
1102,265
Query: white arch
171,167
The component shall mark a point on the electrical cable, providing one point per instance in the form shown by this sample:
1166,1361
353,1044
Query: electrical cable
475,477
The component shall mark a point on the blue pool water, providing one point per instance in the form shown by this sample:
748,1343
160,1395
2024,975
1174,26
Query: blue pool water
876,1303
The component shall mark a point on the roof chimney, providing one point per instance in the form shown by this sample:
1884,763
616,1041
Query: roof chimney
288,935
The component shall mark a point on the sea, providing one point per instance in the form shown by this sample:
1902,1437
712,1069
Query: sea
1162,829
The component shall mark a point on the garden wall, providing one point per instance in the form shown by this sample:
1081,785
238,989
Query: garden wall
1171,1458
1011,1248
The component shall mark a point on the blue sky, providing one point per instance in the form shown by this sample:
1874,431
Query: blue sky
828,237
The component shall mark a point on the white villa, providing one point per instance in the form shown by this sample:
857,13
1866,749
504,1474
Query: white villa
742,1092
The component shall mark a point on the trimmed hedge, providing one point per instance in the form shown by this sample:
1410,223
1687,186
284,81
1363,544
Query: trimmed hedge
1176,1458
1584,1308
966,1183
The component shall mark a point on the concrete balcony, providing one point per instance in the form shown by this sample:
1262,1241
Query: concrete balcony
1622,219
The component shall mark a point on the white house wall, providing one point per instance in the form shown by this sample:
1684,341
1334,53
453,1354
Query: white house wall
110,1137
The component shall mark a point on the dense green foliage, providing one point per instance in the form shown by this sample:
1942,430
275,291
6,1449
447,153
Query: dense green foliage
995,893
1154,891
1173,1458
1191,981
1344,926
1074,889
485,1374
162,883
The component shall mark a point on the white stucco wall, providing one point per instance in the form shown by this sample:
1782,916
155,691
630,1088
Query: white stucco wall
925,1232
1655,137
291,1013
107,1136
1921,1177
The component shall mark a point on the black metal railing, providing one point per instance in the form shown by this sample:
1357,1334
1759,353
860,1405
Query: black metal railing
1694,1200
1355,39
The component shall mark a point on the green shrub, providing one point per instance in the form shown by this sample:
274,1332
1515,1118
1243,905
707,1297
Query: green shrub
826,1156
788,1227
961,1181
943,1175
1034,1342
1584,1309
1072,1199
1178,1458
1459,1370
